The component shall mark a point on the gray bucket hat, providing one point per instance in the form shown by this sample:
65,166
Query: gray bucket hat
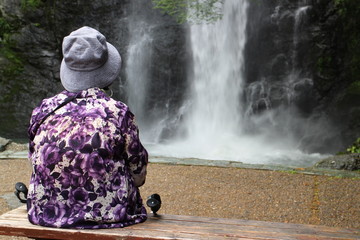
89,60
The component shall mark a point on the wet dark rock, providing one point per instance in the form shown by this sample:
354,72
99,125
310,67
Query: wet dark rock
320,57
37,38
349,162
3,143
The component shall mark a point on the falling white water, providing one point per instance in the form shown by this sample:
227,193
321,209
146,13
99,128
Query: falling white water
294,79
300,13
218,76
214,112
213,119
139,55
138,60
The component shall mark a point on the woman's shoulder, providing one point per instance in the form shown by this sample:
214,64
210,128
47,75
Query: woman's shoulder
50,102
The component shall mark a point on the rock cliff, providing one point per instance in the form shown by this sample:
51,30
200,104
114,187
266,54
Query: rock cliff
317,41
31,36
312,45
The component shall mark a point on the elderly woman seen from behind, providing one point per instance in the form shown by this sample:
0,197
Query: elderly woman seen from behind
87,159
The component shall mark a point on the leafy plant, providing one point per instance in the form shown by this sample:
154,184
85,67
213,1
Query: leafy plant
4,27
354,88
191,11
30,4
355,147
13,65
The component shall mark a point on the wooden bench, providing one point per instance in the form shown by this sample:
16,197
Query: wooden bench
15,223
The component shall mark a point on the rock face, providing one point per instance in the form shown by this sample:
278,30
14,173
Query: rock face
301,56
336,66
36,45
30,64
3,143
349,162
299,53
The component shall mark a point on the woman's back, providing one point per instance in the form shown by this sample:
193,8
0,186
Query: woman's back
87,163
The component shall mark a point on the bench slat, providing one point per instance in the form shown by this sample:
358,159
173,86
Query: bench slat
15,223
244,229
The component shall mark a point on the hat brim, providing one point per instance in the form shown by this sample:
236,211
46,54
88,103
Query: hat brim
76,81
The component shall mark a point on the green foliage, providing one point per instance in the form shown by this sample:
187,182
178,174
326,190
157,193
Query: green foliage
30,4
4,27
349,12
324,64
340,5
11,68
354,88
191,11
14,64
355,147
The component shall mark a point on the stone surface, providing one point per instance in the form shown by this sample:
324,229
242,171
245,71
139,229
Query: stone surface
349,162
306,55
11,200
38,33
37,41
3,143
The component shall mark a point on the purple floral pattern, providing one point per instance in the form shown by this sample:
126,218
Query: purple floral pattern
88,163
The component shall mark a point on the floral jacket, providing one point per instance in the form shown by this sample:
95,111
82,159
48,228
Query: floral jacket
88,163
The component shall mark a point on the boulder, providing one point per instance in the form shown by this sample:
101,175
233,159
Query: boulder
3,143
349,162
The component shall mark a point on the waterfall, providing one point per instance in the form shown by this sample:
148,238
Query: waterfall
212,114
217,82
139,54
278,101
225,116
155,77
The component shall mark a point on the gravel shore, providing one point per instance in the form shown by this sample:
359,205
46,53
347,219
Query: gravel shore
277,196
